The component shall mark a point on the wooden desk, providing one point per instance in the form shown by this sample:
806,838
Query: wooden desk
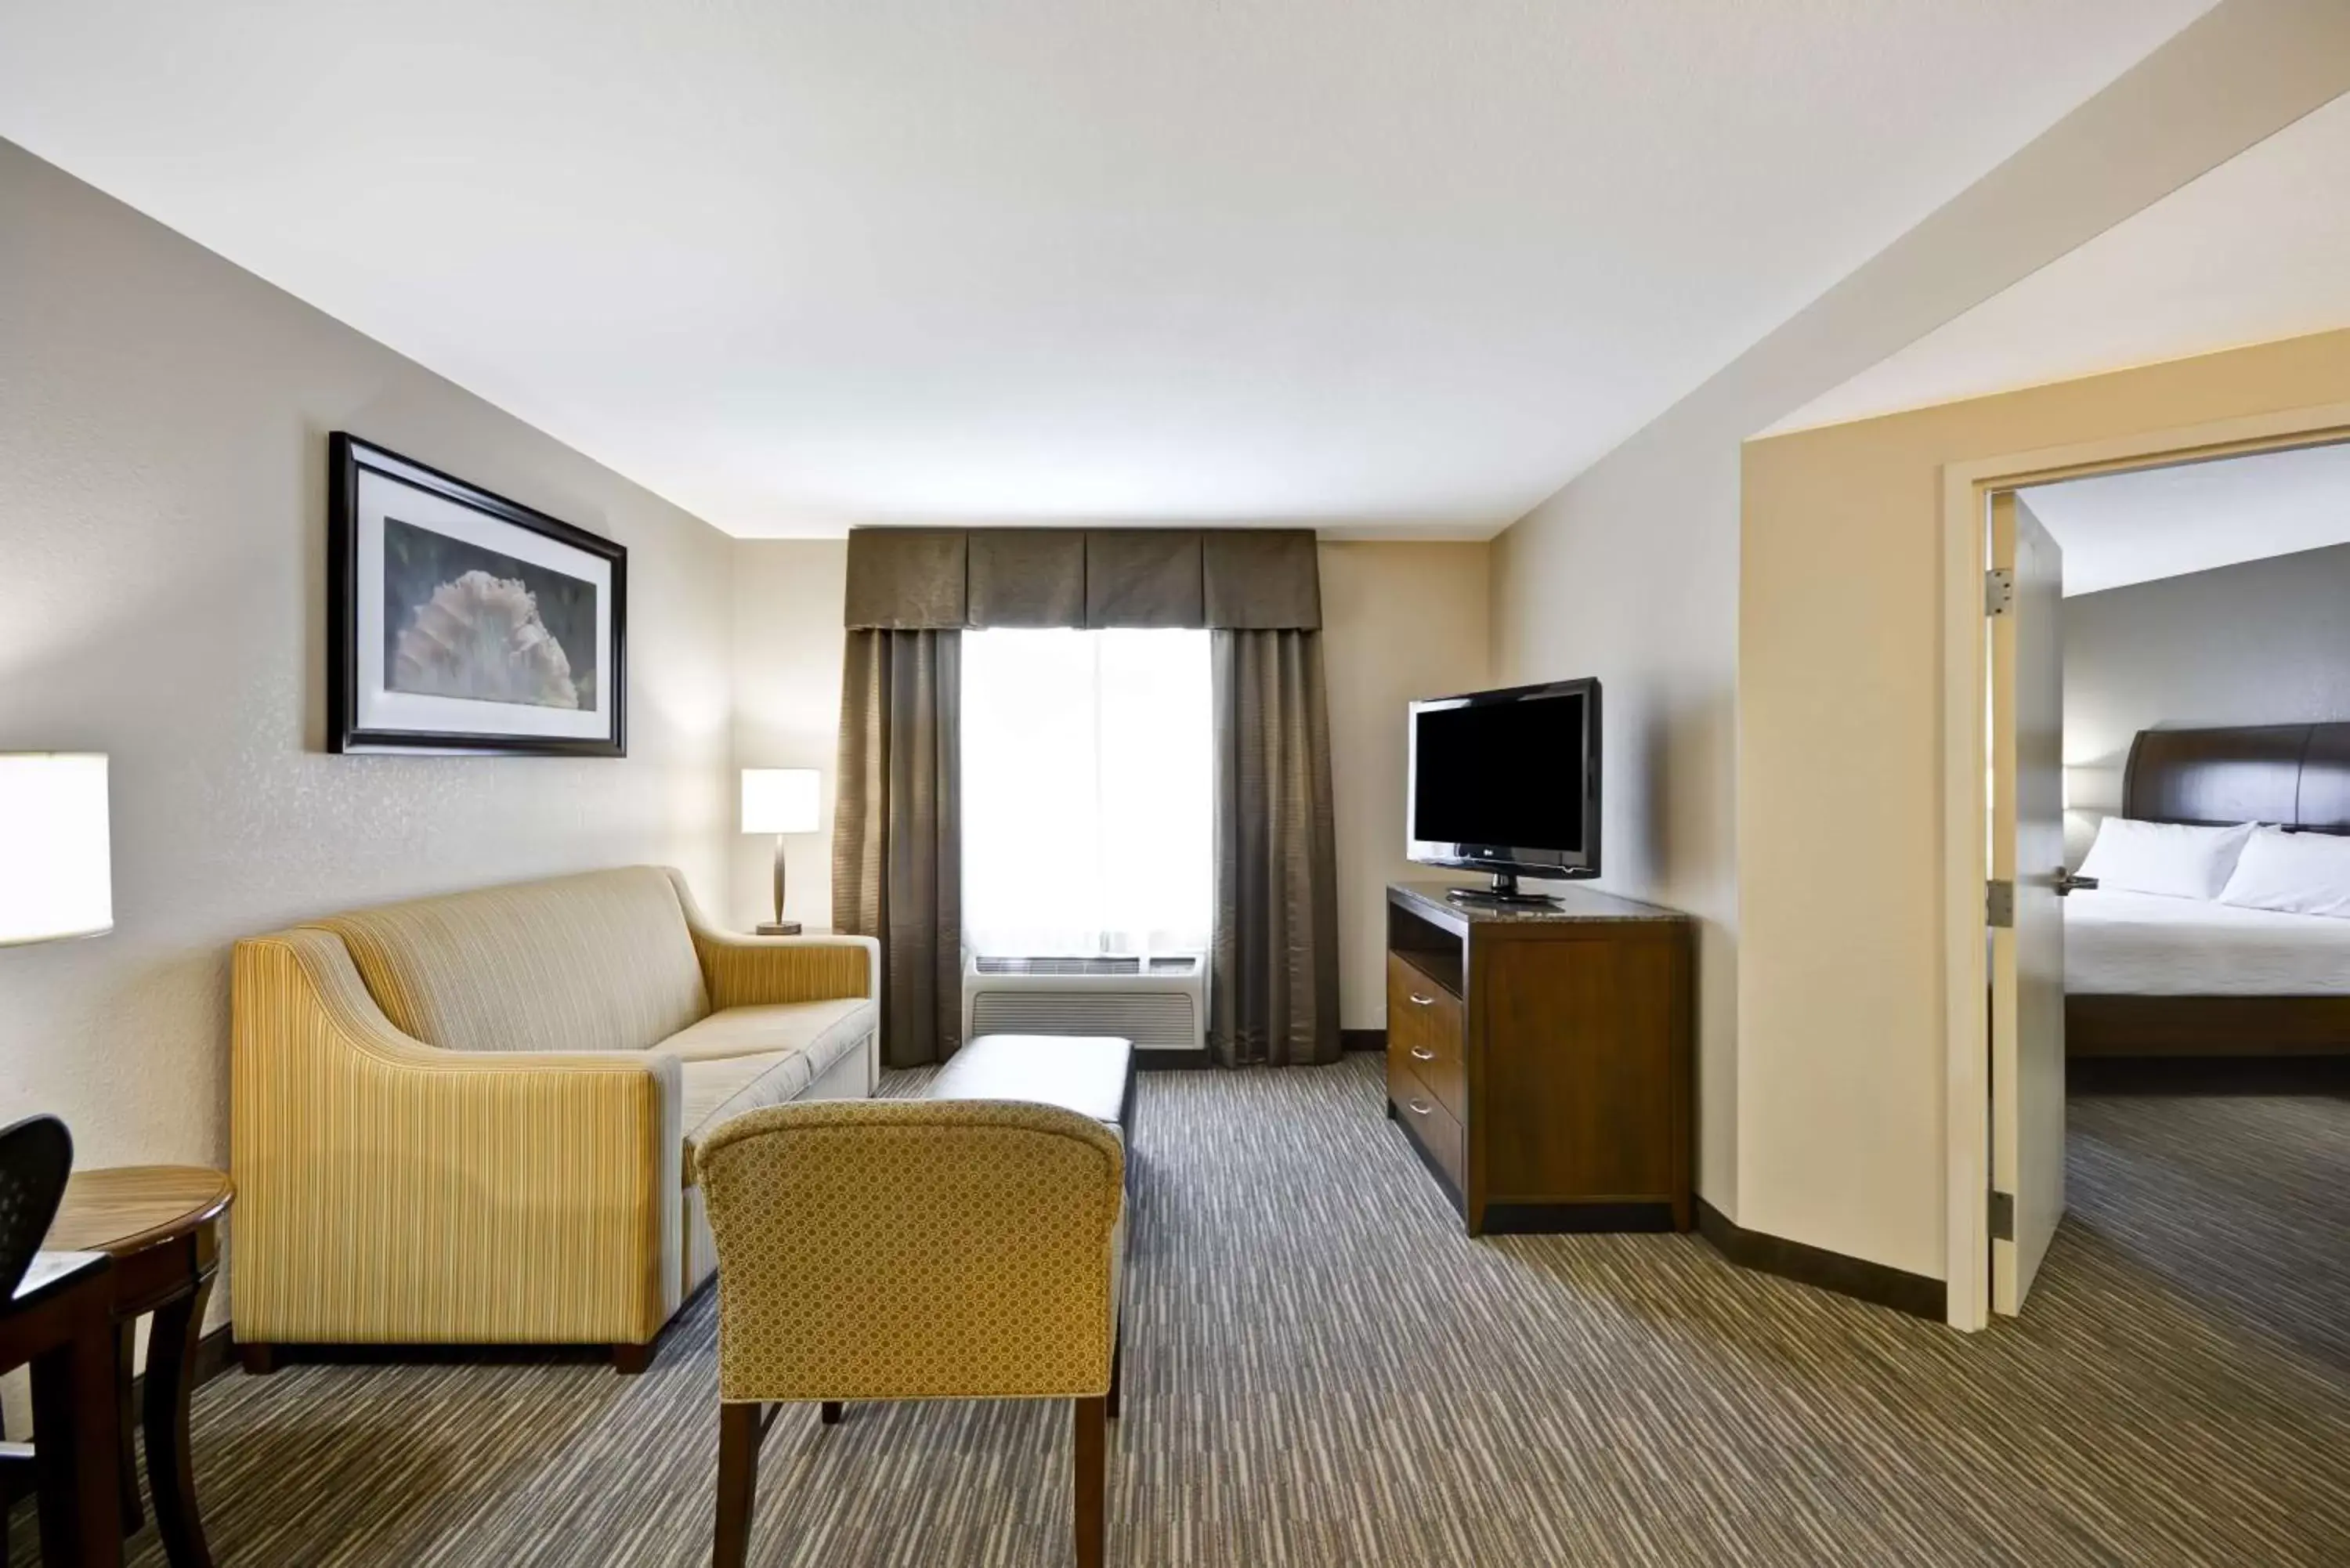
60,1320
161,1224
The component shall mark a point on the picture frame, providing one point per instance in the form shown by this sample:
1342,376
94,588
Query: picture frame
463,623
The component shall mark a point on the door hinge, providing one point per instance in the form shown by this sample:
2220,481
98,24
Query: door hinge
2003,1216
1999,591
1999,905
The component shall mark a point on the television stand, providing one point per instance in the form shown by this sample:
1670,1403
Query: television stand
1539,1060
1504,892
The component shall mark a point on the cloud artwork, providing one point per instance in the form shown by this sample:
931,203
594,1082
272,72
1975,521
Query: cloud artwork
461,622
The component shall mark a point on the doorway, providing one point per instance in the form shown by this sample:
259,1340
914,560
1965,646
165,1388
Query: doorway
2008,867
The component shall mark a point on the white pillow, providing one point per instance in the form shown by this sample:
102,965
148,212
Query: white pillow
2299,873
2168,857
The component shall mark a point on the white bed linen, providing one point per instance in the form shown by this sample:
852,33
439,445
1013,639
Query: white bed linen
2144,944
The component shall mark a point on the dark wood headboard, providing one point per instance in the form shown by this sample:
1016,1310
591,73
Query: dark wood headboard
2297,776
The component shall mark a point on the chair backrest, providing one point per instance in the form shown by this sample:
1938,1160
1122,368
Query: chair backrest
36,1158
603,961
912,1249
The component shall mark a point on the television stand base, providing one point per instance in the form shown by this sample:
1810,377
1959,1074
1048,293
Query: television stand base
1503,892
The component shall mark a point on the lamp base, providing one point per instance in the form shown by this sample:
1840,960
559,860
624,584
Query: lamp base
779,927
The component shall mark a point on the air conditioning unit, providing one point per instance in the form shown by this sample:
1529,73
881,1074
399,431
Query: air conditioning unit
1158,1002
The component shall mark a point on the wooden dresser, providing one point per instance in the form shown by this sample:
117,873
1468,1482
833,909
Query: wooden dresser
1539,1058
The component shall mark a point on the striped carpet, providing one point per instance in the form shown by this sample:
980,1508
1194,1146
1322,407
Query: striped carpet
1323,1371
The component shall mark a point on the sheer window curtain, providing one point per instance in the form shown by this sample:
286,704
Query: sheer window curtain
1087,780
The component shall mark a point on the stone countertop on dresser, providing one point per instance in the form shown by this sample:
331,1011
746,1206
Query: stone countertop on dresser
1428,899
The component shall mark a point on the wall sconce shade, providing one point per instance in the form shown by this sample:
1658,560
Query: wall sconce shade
57,874
780,800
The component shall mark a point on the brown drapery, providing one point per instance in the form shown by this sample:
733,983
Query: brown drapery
1274,971
896,837
913,579
897,841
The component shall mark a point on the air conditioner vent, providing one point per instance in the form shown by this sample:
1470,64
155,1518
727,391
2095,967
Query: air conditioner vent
1127,964
1160,1003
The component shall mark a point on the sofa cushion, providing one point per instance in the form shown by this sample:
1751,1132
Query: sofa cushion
719,1090
599,962
822,1030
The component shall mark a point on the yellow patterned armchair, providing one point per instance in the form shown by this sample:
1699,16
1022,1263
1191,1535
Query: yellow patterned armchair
913,1250
471,1119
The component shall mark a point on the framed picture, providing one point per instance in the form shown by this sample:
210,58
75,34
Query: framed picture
459,621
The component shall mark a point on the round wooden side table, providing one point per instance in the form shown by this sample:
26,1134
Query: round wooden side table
161,1224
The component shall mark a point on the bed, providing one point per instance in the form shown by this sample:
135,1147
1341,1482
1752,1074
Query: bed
2151,976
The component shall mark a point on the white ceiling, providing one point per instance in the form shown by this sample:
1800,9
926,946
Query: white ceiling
1388,264
2124,528
2253,251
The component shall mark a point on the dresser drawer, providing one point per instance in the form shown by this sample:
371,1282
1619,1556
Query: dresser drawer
1430,1125
1424,1031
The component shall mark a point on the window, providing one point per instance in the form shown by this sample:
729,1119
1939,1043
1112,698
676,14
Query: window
1086,790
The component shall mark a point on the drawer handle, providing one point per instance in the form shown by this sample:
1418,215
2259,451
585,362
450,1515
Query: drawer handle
1422,1054
1419,1000
1419,1108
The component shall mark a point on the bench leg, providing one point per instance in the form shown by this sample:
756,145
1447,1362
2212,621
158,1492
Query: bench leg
1092,1434
828,1412
740,1428
1117,1369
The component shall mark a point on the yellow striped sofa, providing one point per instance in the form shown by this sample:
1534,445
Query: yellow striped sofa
470,1120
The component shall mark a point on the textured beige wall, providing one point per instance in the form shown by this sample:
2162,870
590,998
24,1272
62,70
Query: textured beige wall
1399,621
787,652
1841,773
1630,573
162,528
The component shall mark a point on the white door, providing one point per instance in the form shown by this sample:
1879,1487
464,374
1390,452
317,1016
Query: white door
2027,853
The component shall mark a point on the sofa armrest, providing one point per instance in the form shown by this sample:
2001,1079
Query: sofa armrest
751,972
389,1191
757,972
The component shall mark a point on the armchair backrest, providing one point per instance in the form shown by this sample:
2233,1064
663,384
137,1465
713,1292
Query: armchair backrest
913,1248
601,961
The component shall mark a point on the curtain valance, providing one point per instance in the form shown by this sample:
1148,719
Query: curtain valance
929,579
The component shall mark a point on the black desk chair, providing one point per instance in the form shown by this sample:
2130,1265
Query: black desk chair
57,1313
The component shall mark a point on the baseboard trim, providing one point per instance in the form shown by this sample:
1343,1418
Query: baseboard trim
2207,1075
215,1354
1363,1040
1172,1061
293,1352
1809,1265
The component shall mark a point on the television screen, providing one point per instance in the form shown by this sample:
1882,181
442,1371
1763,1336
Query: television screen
1508,782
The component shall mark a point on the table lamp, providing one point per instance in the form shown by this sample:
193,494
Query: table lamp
780,801
56,875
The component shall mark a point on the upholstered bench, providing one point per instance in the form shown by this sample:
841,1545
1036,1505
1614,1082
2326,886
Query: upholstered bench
967,1244
1090,1075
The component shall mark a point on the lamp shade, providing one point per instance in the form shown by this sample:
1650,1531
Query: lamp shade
780,800
57,873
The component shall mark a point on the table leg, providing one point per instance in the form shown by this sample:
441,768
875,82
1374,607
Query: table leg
170,1385
74,1450
126,1340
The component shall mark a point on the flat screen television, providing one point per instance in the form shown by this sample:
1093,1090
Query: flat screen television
1507,782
